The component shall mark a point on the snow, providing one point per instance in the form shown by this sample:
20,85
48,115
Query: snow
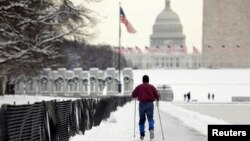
191,119
123,128
12,5
224,83
24,99
42,41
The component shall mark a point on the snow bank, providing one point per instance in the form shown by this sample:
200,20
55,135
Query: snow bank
192,119
24,99
114,129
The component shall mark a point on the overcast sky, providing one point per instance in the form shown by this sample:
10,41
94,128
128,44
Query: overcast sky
142,15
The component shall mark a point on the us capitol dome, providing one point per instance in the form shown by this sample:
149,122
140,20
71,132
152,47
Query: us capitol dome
167,46
167,30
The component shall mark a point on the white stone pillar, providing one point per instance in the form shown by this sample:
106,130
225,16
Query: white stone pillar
85,83
101,82
93,81
77,82
57,82
30,84
70,83
62,77
110,81
128,81
45,82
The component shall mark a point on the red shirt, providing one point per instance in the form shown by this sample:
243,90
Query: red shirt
146,93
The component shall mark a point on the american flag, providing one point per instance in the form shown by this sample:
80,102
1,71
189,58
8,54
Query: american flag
183,49
159,49
138,50
210,48
124,20
240,49
195,50
151,50
170,49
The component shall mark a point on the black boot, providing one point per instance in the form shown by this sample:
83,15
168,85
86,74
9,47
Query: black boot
142,136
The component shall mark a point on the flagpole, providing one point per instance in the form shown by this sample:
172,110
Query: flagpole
119,60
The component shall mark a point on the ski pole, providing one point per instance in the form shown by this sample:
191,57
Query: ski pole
134,117
160,122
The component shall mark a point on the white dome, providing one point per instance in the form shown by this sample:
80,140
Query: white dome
167,29
167,16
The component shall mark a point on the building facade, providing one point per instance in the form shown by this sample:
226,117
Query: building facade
167,30
156,58
226,32
167,46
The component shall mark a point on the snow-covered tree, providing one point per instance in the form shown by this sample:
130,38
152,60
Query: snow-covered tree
31,32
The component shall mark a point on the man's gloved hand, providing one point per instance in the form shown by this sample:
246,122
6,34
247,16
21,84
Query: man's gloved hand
157,103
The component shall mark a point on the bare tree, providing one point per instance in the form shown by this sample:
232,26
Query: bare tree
31,32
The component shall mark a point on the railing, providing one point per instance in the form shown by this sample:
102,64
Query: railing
55,120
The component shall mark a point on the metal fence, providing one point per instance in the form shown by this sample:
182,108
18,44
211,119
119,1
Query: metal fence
55,120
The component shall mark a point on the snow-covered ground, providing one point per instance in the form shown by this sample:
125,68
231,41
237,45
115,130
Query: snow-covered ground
122,129
24,99
224,83
190,118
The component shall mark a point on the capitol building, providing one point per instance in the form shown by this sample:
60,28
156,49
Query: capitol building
167,30
167,46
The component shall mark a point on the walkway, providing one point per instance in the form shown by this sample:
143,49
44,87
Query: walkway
120,128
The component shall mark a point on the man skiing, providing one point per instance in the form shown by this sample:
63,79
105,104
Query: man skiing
146,95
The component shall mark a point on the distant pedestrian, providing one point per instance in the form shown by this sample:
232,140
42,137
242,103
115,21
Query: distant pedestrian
208,96
212,96
185,97
188,96
146,94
